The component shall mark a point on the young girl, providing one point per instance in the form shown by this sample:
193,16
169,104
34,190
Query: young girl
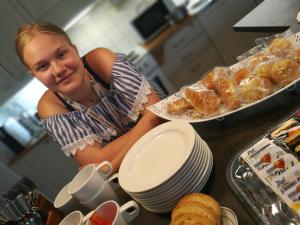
95,105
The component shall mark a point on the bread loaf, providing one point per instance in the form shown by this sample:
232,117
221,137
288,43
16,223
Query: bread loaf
204,101
284,71
178,106
196,208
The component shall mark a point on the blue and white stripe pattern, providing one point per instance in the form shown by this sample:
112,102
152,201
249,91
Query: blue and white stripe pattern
127,94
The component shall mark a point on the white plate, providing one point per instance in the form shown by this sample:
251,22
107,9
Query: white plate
148,163
199,168
162,205
180,187
176,182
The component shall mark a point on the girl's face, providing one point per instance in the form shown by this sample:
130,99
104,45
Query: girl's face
55,62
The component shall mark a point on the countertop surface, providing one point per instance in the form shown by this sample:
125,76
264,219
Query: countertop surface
270,16
226,138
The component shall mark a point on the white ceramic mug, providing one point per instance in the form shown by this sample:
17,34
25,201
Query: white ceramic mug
114,214
105,193
75,218
109,211
87,182
66,203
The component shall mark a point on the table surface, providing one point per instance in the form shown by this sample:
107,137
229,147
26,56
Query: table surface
270,16
225,138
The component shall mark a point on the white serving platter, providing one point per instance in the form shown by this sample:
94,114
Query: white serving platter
160,108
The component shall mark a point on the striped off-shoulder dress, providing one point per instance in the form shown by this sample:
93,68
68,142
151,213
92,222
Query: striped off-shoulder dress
126,94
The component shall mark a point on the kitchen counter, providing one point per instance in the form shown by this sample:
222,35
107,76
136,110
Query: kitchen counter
269,16
32,144
227,137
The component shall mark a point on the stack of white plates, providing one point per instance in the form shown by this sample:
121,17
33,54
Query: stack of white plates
168,162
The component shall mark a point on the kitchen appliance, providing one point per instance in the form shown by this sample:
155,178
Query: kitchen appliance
150,22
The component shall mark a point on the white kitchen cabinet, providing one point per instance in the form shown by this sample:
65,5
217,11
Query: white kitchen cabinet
47,167
65,11
218,20
8,84
10,20
36,9
55,11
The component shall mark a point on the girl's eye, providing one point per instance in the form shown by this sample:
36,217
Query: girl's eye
42,67
60,55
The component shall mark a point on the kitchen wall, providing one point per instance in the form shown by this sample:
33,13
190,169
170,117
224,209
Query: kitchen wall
107,25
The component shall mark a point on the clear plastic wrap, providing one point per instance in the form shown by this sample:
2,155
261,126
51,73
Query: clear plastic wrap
265,174
266,69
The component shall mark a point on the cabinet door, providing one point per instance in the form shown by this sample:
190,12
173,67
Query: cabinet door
35,8
218,21
8,85
200,61
47,167
192,61
10,20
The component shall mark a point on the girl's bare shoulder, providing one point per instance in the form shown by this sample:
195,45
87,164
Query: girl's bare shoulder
50,105
102,60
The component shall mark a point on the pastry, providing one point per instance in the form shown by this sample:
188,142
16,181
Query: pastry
280,47
194,208
256,59
211,79
297,148
192,219
178,106
297,55
294,139
204,101
241,74
198,209
255,88
207,81
204,199
287,124
263,70
227,90
284,71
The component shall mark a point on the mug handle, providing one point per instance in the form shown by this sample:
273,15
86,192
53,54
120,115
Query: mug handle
104,164
129,216
114,181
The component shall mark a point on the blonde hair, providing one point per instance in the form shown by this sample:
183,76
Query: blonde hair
28,31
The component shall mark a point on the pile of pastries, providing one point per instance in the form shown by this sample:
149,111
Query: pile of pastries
224,89
196,208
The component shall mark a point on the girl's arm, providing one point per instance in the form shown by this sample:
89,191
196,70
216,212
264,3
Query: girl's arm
117,149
